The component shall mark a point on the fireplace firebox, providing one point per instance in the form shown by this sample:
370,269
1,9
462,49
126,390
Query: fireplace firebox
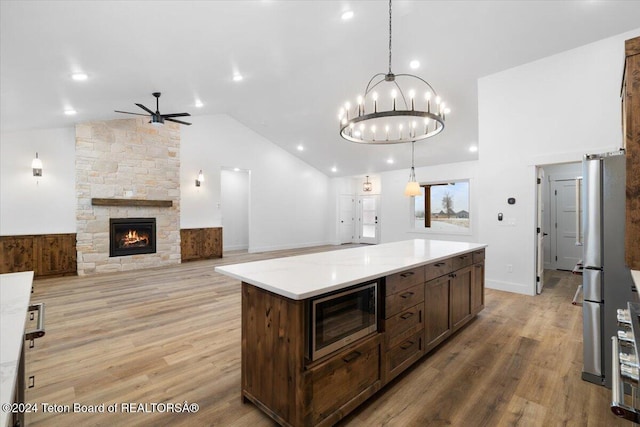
132,236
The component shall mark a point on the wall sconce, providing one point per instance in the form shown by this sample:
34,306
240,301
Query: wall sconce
200,179
366,187
36,165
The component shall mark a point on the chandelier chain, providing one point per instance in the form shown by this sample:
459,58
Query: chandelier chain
390,37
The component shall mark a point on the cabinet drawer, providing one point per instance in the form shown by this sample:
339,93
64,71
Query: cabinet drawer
407,322
460,261
344,377
396,303
438,269
403,280
478,256
403,355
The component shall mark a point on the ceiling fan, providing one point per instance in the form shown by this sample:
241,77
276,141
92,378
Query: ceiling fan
157,118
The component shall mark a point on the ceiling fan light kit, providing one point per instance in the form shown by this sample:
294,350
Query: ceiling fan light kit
158,119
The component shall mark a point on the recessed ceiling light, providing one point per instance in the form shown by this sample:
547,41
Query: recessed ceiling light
70,112
414,64
473,148
199,103
236,169
347,15
300,147
334,169
390,161
237,77
79,77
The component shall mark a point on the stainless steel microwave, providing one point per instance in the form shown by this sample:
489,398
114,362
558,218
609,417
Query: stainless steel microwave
336,320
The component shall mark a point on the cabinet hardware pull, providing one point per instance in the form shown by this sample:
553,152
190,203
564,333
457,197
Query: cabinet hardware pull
463,256
351,357
407,345
407,274
406,295
406,315
32,381
39,331
439,264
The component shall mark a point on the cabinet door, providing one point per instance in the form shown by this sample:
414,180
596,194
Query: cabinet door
190,243
16,254
477,288
436,311
351,375
211,243
55,254
461,296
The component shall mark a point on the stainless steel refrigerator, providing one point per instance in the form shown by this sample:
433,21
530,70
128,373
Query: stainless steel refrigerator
606,281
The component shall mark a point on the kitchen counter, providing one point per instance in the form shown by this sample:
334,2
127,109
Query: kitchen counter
15,294
636,278
305,276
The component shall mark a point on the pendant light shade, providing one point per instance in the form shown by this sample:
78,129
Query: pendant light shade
413,188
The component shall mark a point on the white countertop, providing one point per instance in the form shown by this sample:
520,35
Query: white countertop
304,276
15,294
636,278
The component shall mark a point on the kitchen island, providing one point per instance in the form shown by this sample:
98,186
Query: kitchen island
426,290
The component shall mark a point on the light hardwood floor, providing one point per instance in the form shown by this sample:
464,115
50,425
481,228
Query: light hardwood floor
173,335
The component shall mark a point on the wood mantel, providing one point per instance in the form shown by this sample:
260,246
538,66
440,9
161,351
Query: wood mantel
132,202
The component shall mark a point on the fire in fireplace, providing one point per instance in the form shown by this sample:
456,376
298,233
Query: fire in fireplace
132,236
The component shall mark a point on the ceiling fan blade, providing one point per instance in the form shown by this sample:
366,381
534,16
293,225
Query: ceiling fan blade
175,115
178,121
145,109
127,112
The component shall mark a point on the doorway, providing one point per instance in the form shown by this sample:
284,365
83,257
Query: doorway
234,198
369,215
557,219
347,218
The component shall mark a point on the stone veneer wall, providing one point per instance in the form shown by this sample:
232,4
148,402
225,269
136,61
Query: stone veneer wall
114,158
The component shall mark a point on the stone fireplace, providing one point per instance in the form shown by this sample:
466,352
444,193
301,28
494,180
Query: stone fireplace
127,169
132,236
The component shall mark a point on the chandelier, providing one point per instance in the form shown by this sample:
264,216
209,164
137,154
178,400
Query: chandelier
367,186
413,111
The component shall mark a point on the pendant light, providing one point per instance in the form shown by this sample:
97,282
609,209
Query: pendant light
394,108
367,186
413,188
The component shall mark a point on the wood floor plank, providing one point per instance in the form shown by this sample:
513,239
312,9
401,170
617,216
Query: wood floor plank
173,335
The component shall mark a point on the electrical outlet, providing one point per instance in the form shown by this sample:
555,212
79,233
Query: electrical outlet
509,268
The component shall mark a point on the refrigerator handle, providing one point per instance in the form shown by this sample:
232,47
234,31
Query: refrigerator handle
578,206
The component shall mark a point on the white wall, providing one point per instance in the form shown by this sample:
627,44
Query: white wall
396,207
548,111
289,199
47,204
234,194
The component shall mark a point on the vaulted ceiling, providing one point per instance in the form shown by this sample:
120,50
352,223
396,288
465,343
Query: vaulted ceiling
299,61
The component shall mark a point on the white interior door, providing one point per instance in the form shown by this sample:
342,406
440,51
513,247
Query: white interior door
369,224
540,230
567,253
346,220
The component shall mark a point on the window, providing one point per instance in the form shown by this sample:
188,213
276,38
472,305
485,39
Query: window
443,207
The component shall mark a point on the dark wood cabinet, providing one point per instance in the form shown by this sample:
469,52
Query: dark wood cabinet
460,302
45,254
436,307
631,134
200,243
477,288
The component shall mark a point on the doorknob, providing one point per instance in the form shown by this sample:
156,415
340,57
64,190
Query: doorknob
545,234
